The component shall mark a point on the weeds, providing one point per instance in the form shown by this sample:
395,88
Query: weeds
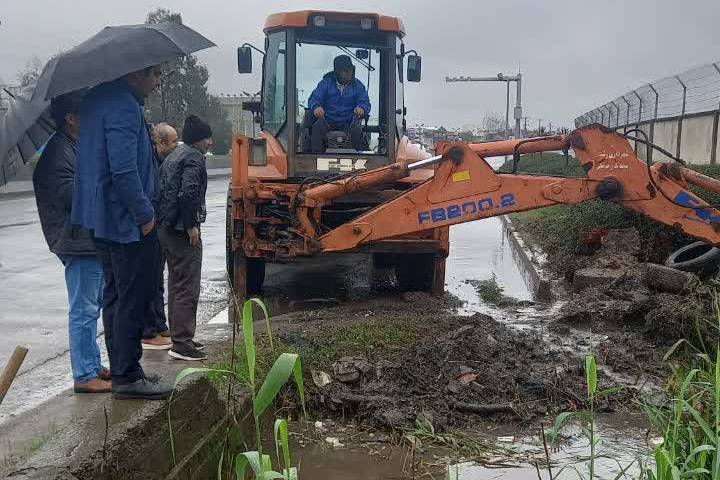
690,424
587,419
284,366
489,290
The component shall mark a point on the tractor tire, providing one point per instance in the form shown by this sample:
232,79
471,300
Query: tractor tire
698,257
414,271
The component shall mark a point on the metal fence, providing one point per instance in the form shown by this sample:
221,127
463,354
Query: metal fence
679,113
693,92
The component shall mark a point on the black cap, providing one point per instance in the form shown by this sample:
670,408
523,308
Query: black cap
342,62
195,130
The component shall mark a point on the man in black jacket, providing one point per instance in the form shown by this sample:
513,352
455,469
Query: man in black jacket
183,183
53,182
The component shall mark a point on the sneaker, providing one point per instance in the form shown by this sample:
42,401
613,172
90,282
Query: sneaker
190,354
95,385
157,343
142,390
198,345
165,333
152,377
104,374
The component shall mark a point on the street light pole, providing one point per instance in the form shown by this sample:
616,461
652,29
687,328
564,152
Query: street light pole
507,109
517,114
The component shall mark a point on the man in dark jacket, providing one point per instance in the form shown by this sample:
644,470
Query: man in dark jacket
183,183
53,182
339,102
115,180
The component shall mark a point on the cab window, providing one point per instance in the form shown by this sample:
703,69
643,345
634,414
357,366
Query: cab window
274,103
316,60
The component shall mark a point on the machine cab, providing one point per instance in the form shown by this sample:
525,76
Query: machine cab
300,48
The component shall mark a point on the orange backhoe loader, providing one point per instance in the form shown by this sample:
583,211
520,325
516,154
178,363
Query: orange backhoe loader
401,203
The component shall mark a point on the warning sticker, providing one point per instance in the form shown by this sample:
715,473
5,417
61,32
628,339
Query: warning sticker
461,176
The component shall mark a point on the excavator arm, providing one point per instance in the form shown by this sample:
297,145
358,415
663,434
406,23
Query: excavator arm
465,188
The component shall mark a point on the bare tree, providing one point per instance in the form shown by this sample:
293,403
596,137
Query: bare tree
493,122
30,73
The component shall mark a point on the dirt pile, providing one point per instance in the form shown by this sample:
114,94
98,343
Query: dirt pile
614,296
447,370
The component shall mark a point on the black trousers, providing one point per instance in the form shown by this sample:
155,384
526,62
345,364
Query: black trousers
130,273
155,318
184,274
321,127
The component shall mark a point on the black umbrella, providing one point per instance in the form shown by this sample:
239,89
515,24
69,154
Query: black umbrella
24,127
114,52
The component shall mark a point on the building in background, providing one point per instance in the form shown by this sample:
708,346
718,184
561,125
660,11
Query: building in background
241,120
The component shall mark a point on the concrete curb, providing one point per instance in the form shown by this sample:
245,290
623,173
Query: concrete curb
102,438
14,195
529,263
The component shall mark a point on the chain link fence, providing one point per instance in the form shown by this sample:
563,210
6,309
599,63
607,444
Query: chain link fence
679,113
692,92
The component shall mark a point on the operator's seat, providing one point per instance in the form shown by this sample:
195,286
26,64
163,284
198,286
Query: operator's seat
334,140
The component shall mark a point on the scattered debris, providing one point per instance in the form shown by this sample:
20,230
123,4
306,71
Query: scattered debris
334,442
320,378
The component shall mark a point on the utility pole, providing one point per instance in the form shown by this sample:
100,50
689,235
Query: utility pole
517,113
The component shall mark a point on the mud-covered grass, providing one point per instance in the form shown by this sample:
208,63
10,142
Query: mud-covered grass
566,231
489,290
399,363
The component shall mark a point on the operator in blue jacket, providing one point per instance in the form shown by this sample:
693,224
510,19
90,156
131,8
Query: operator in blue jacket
339,102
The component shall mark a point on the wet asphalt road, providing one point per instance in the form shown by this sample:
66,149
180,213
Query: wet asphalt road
33,300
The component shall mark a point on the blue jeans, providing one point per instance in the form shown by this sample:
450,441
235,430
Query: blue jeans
84,280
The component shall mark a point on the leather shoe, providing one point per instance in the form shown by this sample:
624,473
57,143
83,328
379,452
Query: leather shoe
96,385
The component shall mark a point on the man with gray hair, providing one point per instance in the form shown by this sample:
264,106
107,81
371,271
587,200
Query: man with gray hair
165,138
155,328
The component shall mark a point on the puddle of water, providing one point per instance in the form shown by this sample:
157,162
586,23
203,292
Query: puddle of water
480,251
623,441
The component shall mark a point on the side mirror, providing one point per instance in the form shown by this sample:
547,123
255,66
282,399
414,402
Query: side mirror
244,57
414,68
362,54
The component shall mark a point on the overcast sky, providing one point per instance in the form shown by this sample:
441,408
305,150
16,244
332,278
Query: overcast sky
574,55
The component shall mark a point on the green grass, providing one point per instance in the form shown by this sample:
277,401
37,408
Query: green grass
547,163
330,343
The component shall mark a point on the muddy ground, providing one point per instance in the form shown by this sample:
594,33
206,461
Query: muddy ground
394,362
